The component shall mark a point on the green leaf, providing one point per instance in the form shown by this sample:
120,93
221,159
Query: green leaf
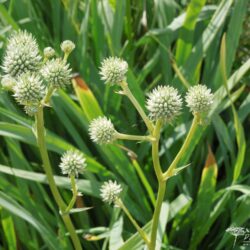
9,204
205,198
201,47
8,229
185,41
115,237
240,136
85,186
135,242
86,99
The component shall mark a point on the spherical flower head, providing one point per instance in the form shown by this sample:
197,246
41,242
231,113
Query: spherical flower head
29,89
199,99
8,82
22,54
110,191
164,103
56,73
113,70
72,163
67,46
48,52
102,131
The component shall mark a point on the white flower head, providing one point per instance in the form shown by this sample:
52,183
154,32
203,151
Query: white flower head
72,162
48,52
57,73
22,54
113,70
102,131
8,82
164,103
29,89
110,191
31,109
67,46
199,99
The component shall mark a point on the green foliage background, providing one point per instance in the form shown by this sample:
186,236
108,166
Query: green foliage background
164,41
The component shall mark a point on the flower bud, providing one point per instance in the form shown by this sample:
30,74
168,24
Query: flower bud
56,73
110,191
113,70
164,103
72,162
199,99
8,82
22,54
29,89
102,131
31,109
67,46
48,52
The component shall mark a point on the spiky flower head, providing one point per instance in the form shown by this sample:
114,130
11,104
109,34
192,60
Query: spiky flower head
8,82
113,70
110,191
199,99
22,54
67,46
29,89
56,73
31,109
48,52
164,103
72,162
102,131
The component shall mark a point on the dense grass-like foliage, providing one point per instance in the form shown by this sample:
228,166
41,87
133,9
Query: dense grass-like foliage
180,43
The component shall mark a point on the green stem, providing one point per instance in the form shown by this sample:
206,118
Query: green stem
161,183
74,191
131,97
156,216
133,137
48,95
120,204
40,133
155,150
185,145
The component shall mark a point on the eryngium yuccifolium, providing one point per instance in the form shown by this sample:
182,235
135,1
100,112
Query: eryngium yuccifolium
164,103
8,82
67,46
29,89
31,109
113,70
56,73
199,99
110,191
72,162
102,131
22,54
48,52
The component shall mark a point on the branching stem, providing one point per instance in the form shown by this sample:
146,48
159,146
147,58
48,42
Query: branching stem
40,133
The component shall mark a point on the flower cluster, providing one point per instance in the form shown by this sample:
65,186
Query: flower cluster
102,131
164,103
56,73
22,54
27,75
72,163
110,191
199,99
113,70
